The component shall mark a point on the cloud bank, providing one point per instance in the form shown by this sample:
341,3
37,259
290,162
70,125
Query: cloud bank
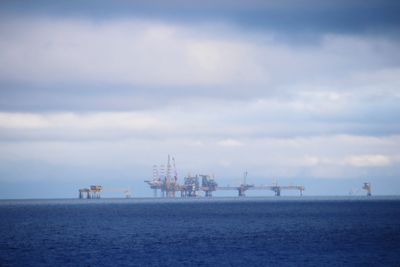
224,87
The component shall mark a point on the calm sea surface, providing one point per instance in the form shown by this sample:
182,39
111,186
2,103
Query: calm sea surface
207,232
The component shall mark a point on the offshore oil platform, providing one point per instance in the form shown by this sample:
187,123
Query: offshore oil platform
165,180
367,187
94,191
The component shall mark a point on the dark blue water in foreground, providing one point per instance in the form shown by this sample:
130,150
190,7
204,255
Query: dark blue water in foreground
254,232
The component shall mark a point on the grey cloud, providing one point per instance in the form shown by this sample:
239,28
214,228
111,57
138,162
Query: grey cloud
289,89
286,16
145,65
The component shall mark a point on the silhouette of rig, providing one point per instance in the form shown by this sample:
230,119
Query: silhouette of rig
165,180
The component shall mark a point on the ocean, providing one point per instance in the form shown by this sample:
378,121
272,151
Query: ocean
291,231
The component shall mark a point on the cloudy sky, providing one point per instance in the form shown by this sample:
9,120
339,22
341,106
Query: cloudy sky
295,92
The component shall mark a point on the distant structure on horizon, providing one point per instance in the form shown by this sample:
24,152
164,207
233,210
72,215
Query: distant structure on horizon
95,192
92,192
368,188
165,179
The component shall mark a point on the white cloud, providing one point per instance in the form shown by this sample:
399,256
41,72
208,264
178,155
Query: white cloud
229,143
268,157
311,161
94,120
265,160
285,110
120,52
149,53
368,160
22,121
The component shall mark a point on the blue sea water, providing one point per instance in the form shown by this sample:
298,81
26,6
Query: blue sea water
201,232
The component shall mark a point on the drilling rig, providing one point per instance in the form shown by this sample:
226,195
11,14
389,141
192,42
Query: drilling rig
165,179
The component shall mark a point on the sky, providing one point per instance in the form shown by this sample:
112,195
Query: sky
293,92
